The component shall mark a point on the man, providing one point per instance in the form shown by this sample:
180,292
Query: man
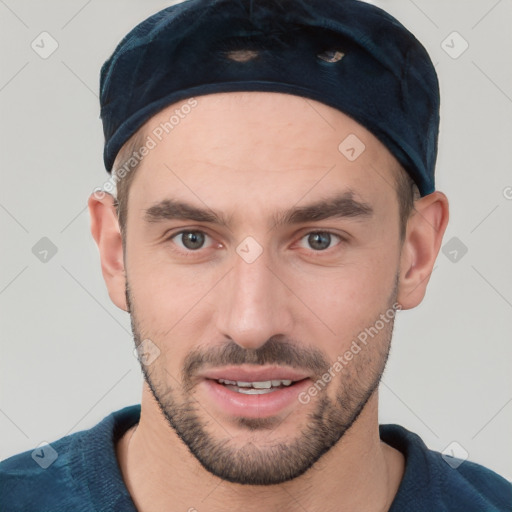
275,209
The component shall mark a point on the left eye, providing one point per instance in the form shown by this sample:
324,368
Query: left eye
190,240
319,240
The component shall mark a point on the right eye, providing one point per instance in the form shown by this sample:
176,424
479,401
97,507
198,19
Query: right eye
190,240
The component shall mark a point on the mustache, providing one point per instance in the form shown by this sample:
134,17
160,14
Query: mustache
276,351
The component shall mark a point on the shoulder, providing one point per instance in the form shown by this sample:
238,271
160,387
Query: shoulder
483,483
433,481
60,476
38,479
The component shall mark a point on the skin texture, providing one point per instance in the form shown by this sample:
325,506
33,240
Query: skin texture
248,156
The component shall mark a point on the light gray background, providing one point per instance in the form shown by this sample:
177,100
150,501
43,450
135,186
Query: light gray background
66,351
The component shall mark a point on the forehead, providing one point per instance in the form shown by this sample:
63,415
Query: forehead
266,148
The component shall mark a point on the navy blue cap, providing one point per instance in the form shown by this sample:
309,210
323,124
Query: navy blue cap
347,54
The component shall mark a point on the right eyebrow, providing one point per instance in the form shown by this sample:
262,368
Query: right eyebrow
171,209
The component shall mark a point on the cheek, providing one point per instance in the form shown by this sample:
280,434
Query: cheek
167,297
165,310
347,299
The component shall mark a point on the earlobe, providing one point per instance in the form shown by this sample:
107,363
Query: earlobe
422,242
105,231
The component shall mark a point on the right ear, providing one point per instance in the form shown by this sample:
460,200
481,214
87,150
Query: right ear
106,232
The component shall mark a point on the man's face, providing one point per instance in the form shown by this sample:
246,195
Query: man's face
260,290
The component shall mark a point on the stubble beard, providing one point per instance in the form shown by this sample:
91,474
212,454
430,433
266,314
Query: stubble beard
283,460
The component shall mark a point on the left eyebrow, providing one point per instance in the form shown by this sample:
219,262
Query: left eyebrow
341,206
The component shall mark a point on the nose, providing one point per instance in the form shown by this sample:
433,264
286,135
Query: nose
253,304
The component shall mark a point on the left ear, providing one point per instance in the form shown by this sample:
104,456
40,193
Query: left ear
424,235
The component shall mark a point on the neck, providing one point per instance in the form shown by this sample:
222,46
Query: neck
359,473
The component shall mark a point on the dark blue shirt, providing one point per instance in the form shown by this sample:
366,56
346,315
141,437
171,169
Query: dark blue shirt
82,474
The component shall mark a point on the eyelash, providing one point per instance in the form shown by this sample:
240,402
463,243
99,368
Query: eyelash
191,253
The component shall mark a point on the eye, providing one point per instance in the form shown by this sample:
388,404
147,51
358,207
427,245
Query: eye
319,240
190,240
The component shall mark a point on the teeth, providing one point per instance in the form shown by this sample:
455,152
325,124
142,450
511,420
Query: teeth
267,384
251,391
223,381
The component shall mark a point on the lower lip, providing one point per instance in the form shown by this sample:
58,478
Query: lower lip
253,406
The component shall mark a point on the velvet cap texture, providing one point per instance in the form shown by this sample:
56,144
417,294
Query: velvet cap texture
347,54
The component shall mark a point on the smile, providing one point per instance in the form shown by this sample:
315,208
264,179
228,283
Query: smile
255,388
252,392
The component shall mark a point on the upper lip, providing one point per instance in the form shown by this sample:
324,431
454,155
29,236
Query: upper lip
246,373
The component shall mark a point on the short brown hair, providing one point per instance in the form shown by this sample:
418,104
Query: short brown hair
130,147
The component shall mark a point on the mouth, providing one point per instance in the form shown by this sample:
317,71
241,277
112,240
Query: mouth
256,388
252,392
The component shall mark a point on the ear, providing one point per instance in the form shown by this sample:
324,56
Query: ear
105,231
424,235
